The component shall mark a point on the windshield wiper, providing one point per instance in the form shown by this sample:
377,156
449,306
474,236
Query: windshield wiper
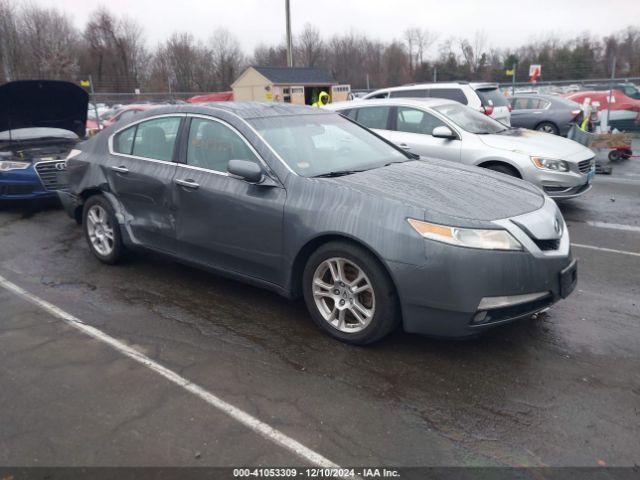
338,173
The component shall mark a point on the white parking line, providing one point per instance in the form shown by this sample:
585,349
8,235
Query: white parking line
602,249
241,416
614,226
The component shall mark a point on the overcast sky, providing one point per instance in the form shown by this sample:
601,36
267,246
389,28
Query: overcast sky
506,23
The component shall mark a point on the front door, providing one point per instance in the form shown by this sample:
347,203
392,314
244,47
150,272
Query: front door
140,173
225,222
411,129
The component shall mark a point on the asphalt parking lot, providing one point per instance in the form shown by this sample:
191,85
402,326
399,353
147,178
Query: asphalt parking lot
562,389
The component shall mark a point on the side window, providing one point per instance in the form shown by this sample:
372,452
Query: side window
123,141
521,103
411,120
415,93
455,94
349,112
212,144
380,95
540,104
373,117
156,138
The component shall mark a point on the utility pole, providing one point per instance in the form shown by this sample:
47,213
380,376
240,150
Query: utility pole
289,41
513,79
367,81
435,74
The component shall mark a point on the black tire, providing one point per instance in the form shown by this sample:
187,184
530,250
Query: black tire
386,316
118,249
615,155
548,127
506,169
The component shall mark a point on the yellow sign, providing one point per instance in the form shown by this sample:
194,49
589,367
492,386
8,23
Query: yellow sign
510,72
85,83
269,96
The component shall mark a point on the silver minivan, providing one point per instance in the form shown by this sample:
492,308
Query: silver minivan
444,129
483,97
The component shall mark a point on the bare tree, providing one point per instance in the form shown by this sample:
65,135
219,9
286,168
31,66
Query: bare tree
9,40
227,57
473,52
114,51
49,43
270,56
310,49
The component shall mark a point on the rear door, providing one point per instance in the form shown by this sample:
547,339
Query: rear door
225,222
411,130
140,173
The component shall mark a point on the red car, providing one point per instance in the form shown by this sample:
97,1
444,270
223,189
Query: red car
619,101
126,113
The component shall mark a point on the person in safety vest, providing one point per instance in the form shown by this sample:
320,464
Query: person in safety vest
323,99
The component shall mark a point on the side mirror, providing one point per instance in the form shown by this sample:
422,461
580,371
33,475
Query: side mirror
443,132
246,170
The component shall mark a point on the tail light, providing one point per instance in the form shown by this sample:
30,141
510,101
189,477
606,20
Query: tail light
575,113
487,109
510,107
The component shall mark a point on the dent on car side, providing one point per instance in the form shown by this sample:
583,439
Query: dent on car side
436,293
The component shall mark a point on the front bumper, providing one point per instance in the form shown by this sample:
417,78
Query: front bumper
562,185
445,296
23,185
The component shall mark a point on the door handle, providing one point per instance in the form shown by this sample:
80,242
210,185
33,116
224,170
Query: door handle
188,183
120,169
405,146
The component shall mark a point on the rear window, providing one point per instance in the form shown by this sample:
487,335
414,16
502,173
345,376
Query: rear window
492,97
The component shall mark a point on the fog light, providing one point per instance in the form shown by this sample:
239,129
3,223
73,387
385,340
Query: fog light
479,317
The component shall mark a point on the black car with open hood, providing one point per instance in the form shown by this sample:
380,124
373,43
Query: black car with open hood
40,123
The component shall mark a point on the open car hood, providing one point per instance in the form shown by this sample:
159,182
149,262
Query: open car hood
43,103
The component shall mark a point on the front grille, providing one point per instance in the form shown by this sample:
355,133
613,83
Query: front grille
586,165
51,176
547,245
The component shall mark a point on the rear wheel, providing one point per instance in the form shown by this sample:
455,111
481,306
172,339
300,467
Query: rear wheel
547,127
349,294
101,230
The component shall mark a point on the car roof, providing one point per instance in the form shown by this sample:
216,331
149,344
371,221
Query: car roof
243,110
409,102
416,86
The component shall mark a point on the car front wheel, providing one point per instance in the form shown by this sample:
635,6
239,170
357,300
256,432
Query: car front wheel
101,230
349,294
547,127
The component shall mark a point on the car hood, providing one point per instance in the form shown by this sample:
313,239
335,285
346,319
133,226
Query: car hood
43,103
530,142
448,191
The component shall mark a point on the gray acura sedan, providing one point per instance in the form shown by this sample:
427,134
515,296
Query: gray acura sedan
308,203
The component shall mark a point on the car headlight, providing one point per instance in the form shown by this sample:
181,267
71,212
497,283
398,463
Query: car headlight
6,165
497,239
550,164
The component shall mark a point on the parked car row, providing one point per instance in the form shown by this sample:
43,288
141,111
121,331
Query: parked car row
310,203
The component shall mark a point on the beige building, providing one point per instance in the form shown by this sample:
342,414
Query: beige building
300,85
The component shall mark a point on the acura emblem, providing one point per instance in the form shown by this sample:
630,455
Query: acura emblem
60,166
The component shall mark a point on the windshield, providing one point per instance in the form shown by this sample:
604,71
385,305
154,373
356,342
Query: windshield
469,119
320,144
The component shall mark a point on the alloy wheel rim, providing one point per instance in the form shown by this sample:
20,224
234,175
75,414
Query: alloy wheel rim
343,295
100,230
547,129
